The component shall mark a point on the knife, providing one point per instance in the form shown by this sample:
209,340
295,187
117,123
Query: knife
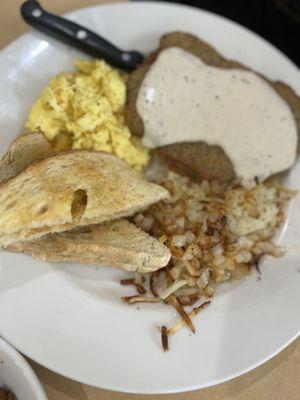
78,36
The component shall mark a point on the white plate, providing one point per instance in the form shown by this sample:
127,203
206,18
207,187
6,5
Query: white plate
17,375
69,317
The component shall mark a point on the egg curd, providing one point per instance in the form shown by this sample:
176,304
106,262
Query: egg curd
85,110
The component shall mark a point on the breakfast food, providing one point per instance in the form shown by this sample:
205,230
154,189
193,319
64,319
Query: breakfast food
84,110
116,243
198,160
224,129
70,189
216,101
228,129
25,149
215,234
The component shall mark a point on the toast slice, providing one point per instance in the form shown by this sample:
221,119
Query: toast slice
71,189
118,244
201,161
25,149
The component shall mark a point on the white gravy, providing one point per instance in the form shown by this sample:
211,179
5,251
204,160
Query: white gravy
183,99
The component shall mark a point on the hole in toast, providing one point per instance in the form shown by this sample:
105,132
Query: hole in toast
79,203
42,210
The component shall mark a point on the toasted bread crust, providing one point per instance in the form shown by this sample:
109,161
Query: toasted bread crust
25,149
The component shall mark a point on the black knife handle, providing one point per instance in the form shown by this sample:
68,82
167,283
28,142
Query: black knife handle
78,36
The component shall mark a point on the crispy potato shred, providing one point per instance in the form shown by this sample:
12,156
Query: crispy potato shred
216,233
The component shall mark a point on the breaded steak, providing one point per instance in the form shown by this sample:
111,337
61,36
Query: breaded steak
198,160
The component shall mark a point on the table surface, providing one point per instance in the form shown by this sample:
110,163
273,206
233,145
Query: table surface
277,379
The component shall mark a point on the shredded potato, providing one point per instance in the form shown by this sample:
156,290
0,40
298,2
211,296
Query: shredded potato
216,233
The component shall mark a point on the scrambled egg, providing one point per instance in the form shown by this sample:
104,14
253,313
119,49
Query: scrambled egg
84,109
